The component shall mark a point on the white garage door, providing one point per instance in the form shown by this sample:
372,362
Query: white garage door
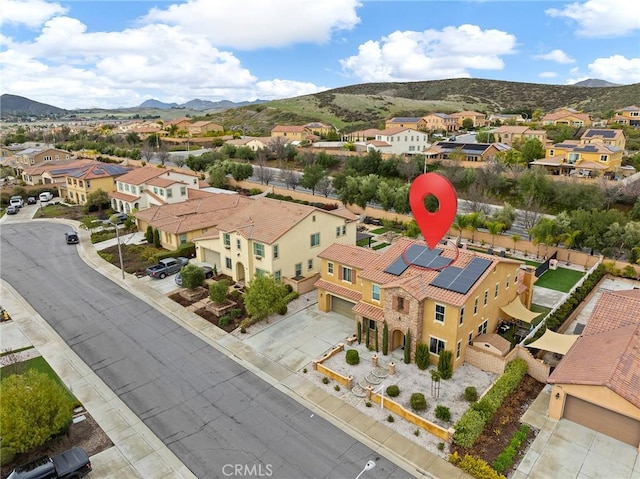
603,420
343,307
211,257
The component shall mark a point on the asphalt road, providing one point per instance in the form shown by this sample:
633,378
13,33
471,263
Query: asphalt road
209,410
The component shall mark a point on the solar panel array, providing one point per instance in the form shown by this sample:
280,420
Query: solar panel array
418,255
602,133
460,280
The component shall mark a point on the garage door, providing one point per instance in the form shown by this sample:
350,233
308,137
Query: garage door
603,420
343,307
211,257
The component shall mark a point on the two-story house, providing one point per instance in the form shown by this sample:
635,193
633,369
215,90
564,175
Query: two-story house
275,237
479,119
595,153
291,132
629,115
398,141
318,128
402,122
453,150
50,172
203,127
445,298
149,186
567,116
38,155
510,134
438,122
81,181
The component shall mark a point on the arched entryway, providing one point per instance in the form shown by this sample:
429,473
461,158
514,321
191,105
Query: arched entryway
239,272
397,340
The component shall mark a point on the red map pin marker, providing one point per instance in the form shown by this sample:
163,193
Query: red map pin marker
433,225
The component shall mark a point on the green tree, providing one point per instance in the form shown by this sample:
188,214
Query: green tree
192,276
264,296
156,238
407,347
545,232
149,234
467,124
460,222
218,291
495,228
569,240
217,176
474,222
515,238
445,364
97,201
532,149
87,223
311,175
33,408
385,339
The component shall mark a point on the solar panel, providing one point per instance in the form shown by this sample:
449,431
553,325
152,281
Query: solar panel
461,280
446,277
418,255
397,267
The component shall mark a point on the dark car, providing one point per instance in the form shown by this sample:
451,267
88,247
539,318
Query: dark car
31,200
12,210
116,218
208,273
72,237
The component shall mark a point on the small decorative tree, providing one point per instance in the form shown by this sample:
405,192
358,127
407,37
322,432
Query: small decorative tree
445,364
156,238
352,357
359,335
192,276
393,391
422,356
149,235
407,347
376,339
385,339
218,291
366,333
418,402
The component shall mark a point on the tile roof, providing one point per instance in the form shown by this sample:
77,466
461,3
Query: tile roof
610,359
164,182
139,176
467,113
395,131
288,128
404,119
414,281
614,309
511,129
338,290
368,311
501,344
41,167
94,171
118,195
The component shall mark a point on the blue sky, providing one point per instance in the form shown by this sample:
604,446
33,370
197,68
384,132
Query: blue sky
101,53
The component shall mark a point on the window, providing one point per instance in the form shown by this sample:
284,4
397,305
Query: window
313,218
298,269
259,273
482,329
372,324
82,197
347,274
486,297
258,249
458,347
344,230
400,303
183,238
506,283
155,190
461,322
276,251
238,243
183,191
471,338
80,183
89,184
475,306
604,158
169,193
226,239
375,292
315,240
337,231
310,264
552,152
497,290
227,263
277,275
440,309
436,345
330,268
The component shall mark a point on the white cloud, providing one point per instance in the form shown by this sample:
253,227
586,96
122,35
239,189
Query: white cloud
601,18
30,13
273,89
557,56
547,75
616,69
431,54
251,24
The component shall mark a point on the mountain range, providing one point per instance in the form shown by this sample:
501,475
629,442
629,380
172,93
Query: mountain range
197,104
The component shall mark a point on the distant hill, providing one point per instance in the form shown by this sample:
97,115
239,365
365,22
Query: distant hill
14,105
595,83
197,104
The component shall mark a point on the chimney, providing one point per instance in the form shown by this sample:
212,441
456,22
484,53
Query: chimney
528,280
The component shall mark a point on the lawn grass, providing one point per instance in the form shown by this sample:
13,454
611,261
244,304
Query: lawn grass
39,364
379,231
365,242
561,279
380,246
536,308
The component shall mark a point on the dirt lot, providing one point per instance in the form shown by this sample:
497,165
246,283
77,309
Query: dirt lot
86,434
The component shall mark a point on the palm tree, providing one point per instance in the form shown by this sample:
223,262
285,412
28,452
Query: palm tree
515,238
495,228
460,223
569,239
474,222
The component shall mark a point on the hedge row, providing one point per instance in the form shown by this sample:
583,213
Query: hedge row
475,466
505,459
471,424
317,204
188,250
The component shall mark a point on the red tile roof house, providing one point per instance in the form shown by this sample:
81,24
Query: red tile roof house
597,384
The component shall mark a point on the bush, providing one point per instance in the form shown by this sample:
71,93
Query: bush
445,364
192,276
385,339
289,288
505,459
422,356
407,347
471,394
224,321
393,391
336,387
325,380
291,296
390,418
352,357
474,466
368,404
418,402
282,310
7,455
218,291
443,413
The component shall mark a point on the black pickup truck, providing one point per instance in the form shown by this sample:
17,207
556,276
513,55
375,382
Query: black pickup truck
73,463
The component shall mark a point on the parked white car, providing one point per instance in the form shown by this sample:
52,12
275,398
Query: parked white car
46,196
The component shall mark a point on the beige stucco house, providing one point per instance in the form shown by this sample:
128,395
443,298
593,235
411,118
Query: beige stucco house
510,134
597,384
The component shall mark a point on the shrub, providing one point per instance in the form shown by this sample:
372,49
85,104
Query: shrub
390,418
393,391
385,339
443,413
445,364
282,310
359,333
352,357
505,459
407,347
471,394
7,454
422,356
304,370
368,404
192,276
325,380
218,291
418,402
224,321
416,432
474,466
291,296
336,387
441,446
